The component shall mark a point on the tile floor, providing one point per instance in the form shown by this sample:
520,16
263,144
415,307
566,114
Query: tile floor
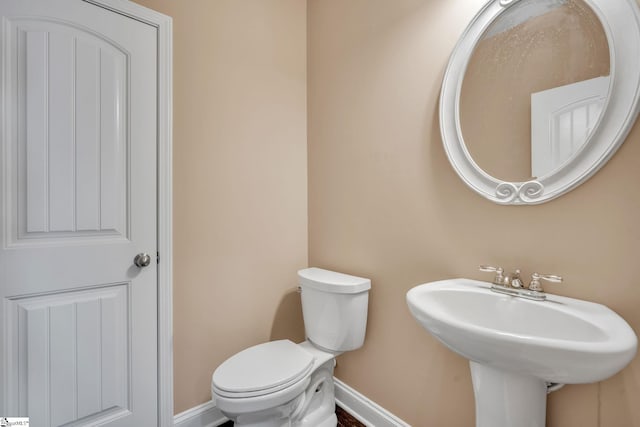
346,420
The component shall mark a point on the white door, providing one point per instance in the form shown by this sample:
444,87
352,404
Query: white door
78,193
562,119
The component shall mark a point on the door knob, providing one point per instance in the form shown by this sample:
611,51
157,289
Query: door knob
142,260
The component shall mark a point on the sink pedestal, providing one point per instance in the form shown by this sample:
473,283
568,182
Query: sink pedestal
508,399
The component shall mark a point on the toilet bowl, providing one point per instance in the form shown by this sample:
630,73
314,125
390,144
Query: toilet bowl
283,384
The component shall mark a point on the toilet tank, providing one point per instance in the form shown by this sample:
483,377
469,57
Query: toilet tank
334,307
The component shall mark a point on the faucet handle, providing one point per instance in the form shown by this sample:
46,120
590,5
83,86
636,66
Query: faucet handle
499,279
536,278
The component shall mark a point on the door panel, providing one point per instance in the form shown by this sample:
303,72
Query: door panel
72,115
79,320
76,346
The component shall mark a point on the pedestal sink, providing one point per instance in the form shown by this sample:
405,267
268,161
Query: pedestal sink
517,346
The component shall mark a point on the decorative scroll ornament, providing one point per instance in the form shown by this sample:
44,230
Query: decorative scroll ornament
510,192
530,191
507,191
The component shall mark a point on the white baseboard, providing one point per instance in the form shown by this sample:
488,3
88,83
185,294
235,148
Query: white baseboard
364,410
204,415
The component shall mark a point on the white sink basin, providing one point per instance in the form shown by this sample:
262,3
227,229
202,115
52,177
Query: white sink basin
521,342
561,340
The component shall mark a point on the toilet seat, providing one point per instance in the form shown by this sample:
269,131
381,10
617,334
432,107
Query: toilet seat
262,369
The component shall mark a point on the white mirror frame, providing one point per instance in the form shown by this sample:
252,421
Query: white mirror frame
621,22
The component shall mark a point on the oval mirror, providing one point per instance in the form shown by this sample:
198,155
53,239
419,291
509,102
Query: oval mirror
539,94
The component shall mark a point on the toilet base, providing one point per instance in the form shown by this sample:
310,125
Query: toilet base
312,406
332,421
318,408
272,417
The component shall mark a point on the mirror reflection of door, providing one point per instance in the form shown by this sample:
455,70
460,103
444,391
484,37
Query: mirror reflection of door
562,119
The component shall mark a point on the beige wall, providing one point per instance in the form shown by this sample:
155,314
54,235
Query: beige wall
384,203
240,180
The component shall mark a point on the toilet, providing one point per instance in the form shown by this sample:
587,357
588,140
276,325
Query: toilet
284,384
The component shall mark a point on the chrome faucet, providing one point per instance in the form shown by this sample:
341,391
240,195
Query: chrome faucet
535,285
512,284
499,278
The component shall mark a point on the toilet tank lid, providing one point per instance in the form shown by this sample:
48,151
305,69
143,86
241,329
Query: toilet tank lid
331,281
